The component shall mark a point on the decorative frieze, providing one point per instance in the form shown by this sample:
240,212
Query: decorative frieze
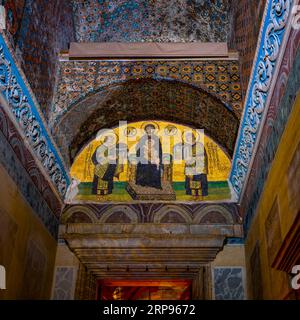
26,113
268,52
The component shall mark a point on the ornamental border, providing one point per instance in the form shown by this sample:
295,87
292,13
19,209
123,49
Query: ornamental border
27,114
269,51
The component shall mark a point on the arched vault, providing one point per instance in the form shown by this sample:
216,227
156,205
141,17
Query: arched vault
145,99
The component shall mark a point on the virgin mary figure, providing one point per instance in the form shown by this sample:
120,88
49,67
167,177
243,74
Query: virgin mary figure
149,160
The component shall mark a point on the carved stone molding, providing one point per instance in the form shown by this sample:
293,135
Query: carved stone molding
155,247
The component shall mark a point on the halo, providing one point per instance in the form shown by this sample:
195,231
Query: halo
145,124
196,135
130,131
170,130
115,135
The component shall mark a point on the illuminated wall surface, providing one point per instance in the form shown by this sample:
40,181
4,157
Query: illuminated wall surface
170,135
276,213
27,250
145,290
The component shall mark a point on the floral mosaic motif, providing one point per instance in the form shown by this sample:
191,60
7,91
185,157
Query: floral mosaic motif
25,111
274,30
78,79
228,284
151,20
281,107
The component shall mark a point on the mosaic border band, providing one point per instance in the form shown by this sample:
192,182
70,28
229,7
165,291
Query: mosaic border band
23,107
272,34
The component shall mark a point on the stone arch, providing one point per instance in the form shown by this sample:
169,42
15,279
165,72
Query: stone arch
78,214
172,214
119,214
146,99
58,116
214,214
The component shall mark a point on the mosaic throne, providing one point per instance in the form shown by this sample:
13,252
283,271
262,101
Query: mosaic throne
147,193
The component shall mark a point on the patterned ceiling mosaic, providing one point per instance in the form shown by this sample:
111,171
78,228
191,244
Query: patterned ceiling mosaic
143,99
78,79
38,30
246,17
151,20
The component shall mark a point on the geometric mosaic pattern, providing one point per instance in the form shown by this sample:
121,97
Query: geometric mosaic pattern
46,28
138,100
246,21
150,20
78,79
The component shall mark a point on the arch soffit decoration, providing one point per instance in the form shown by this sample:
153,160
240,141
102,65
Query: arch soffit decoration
58,116
67,215
90,213
130,213
213,210
173,209
138,100
73,89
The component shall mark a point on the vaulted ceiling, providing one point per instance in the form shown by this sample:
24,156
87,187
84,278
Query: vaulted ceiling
137,100
41,29
151,20
97,94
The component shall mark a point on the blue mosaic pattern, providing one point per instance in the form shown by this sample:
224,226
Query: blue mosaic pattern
151,20
273,31
26,113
